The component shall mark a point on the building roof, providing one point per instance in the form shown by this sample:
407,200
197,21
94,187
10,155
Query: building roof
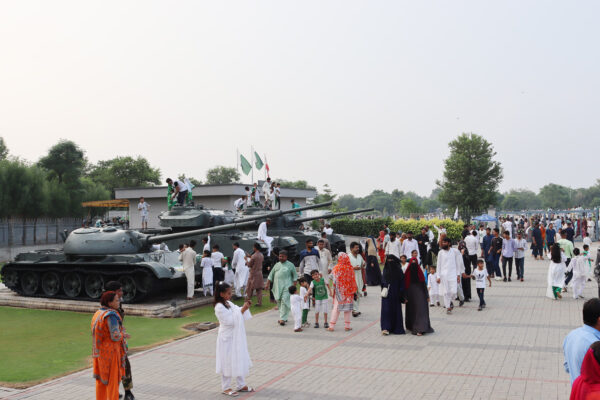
232,189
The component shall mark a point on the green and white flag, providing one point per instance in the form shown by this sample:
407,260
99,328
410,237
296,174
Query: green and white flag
246,167
258,162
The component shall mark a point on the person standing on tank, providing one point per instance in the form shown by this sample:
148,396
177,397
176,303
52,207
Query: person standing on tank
266,190
180,190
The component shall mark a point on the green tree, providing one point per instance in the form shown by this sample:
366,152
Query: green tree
349,202
66,161
520,199
222,175
3,149
471,175
194,181
294,184
409,206
555,196
327,195
121,172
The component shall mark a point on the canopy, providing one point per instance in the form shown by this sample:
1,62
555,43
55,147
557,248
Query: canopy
106,203
485,218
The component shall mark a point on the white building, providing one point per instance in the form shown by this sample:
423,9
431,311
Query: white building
220,197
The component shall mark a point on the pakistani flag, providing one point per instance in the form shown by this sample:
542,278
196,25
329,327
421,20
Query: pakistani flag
258,163
246,167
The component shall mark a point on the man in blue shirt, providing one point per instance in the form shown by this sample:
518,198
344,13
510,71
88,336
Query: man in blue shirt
578,341
550,236
486,244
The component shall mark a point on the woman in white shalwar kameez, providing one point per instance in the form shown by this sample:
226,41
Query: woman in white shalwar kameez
556,273
233,360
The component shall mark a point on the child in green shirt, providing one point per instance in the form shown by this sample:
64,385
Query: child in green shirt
320,289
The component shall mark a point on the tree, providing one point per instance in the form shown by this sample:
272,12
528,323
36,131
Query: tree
409,206
194,181
121,172
471,175
555,196
520,199
327,195
222,175
65,161
3,149
349,202
294,184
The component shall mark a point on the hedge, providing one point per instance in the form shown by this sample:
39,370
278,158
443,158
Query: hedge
371,227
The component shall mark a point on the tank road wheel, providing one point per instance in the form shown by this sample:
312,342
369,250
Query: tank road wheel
10,278
94,284
50,283
30,281
144,282
72,284
129,288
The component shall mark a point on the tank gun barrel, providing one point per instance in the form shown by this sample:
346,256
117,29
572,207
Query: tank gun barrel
179,235
333,215
275,214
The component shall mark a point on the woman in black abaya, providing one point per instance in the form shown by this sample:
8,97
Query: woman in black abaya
417,309
391,305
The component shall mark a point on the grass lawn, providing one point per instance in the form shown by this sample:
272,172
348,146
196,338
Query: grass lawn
36,345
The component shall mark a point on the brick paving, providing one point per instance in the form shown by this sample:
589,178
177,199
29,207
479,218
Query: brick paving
510,350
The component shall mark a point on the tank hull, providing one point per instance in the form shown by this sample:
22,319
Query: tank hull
51,274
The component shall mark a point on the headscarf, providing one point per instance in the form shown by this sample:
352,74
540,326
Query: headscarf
392,272
381,236
587,385
414,272
343,273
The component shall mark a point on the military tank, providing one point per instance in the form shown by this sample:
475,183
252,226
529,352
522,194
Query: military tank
93,256
188,218
292,225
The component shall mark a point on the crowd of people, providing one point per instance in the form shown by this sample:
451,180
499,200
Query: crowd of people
419,272
270,194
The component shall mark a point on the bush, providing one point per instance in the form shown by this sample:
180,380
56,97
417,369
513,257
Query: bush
371,227
359,227
453,228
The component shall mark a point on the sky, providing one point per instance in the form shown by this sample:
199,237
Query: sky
359,95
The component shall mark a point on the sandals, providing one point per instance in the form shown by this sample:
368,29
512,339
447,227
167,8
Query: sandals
347,329
231,393
246,389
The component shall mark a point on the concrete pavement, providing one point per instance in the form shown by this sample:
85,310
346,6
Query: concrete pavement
510,350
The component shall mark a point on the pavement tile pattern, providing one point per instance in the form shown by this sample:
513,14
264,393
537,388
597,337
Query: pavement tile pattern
510,350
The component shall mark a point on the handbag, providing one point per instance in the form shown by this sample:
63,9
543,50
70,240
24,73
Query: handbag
384,291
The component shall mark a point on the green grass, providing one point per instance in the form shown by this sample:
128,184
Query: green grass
36,345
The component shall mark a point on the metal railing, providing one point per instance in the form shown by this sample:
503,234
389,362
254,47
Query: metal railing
29,232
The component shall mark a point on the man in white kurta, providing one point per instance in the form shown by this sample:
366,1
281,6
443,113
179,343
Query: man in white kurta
409,245
188,259
449,270
358,264
262,235
393,246
325,260
238,263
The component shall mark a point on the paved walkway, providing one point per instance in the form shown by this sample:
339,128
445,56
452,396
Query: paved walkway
510,350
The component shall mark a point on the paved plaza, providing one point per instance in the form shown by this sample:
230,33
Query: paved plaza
510,350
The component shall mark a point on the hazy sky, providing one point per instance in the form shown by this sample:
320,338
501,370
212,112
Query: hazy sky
361,95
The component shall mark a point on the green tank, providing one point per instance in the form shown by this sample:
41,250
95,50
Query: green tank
188,218
93,256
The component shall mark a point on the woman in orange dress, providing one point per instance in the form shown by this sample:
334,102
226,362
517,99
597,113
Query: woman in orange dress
381,246
108,347
343,292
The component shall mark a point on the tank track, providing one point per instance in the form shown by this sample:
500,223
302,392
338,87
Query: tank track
78,281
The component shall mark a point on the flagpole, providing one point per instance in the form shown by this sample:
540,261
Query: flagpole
266,173
252,162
